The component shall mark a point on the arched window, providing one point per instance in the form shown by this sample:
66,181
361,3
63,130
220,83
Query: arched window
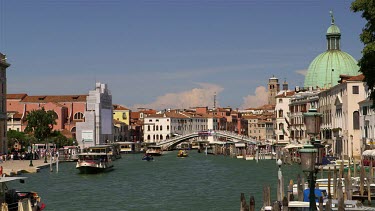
73,130
157,127
161,127
78,115
167,137
161,137
280,113
281,126
167,127
148,137
148,127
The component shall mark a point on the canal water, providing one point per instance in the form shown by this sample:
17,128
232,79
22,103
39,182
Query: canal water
198,182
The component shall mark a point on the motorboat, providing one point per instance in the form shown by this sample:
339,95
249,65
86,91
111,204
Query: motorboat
19,200
154,150
352,205
94,162
148,157
182,154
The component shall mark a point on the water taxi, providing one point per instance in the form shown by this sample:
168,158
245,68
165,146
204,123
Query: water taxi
352,205
68,153
112,150
182,153
154,150
94,162
19,200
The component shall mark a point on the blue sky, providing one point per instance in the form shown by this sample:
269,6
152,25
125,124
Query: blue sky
162,54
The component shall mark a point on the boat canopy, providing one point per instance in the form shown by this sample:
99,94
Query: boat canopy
369,153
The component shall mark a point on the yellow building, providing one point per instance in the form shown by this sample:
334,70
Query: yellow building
122,114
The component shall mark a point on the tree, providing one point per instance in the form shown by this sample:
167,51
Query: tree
367,62
14,136
40,123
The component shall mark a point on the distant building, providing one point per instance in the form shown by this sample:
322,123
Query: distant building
282,117
98,125
122,114
3,109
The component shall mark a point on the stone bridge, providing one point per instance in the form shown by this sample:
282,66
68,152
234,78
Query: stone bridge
231,137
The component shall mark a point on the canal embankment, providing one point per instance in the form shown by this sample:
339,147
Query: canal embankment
17,167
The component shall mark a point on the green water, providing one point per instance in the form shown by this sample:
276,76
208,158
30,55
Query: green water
198,182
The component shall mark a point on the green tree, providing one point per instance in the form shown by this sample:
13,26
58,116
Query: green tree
367,62
60,140
40,123
14,136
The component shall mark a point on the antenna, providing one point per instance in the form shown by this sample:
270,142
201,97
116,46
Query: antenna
215,100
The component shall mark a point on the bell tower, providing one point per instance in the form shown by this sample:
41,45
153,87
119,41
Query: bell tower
273,89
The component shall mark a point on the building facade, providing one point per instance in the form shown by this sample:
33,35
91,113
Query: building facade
98,125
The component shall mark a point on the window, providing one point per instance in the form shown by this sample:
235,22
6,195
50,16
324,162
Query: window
281,137
78,115
280,100
364,110
355,89
161,127
167,127
148,127
356,120
124,115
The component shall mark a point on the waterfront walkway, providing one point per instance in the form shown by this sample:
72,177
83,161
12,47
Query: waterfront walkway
16,167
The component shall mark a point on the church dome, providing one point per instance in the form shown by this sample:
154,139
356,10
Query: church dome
325,70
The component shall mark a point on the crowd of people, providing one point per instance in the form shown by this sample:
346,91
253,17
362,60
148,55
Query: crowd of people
33,154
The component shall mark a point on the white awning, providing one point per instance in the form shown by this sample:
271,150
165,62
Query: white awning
368,153
240,144
289,146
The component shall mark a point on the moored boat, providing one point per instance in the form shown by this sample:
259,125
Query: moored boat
19,200
92,162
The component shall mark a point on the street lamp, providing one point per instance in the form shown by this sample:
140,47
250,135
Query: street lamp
312,153
31,155
351,142
45,154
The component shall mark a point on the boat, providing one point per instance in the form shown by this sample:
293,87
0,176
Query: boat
112,150
352,205
68,153
182,154
154,150
148,157
94,162
19,200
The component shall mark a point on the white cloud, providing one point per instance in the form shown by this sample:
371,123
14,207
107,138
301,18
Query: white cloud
201,96
301,72
260,98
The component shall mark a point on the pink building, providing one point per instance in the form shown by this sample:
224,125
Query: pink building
69,109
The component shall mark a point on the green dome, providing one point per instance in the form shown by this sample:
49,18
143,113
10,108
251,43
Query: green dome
325,70
320,70
333,29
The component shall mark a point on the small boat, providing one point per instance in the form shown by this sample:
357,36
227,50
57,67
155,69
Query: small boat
19,200
352,205
182,153
154,150
92,162
148,157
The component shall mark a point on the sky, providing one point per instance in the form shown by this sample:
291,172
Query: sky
168,53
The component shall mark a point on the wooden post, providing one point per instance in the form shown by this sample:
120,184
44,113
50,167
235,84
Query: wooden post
347,184
329,181
340,196
362,181
354,168
299,188
244,206
321,172
321,203
252,203
290,190
266,195
368,191
285,204
329,203
276,206
335,183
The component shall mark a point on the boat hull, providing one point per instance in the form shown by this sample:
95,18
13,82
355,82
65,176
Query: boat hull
93,168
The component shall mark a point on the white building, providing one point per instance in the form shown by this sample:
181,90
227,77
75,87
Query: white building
164,126
367,125
282,119
341,116
98,125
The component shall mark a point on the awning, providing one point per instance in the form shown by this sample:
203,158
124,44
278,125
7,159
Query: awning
368,153
240,144
290,146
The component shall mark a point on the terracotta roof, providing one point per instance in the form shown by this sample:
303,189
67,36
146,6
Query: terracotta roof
169,114
286,94
119,107
135,115
16,96
54,98
360,77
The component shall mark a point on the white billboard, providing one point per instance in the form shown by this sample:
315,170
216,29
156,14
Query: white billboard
88,135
